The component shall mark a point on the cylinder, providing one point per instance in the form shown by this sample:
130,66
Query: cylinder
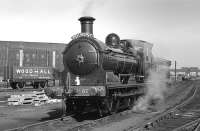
86,24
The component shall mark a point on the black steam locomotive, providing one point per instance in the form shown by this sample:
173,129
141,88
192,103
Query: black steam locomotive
103,75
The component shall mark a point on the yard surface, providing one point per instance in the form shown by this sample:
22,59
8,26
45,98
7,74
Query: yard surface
21,115
17,116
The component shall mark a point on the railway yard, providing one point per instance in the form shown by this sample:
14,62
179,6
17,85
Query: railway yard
88,84
178,111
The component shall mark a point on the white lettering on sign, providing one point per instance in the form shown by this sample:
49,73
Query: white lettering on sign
33,71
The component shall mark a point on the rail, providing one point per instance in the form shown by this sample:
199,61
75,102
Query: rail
168,114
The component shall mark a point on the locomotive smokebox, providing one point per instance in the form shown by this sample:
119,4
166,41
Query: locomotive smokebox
87,24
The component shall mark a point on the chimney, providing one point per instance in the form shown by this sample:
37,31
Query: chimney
87,24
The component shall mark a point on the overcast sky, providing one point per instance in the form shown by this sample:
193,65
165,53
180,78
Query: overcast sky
173,26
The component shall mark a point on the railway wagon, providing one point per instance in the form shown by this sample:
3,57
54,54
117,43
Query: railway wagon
34,63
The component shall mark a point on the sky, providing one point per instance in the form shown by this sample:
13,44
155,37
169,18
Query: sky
173,26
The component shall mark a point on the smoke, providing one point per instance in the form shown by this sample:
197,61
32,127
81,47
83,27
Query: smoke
91,6
155,91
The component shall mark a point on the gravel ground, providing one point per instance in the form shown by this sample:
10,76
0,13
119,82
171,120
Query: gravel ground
15,116
174,95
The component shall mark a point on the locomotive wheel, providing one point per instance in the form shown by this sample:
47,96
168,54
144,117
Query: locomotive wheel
130,102
69,107
109,104
63,107
99,108
113,105
20,85
116,105
78,107
35,85
13,85
42,84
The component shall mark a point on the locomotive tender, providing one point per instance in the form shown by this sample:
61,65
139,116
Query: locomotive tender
104,75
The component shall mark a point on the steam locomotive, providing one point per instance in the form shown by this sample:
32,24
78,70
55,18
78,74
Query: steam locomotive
104,75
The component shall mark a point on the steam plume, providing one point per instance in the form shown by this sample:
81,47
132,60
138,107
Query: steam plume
155,91
91,6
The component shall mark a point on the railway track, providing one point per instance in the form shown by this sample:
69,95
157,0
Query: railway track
183,117
191,126
71,123
46,125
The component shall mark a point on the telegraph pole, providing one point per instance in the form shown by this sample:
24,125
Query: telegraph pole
175,71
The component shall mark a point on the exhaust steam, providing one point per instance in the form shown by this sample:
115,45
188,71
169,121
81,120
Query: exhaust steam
91,6
155,91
